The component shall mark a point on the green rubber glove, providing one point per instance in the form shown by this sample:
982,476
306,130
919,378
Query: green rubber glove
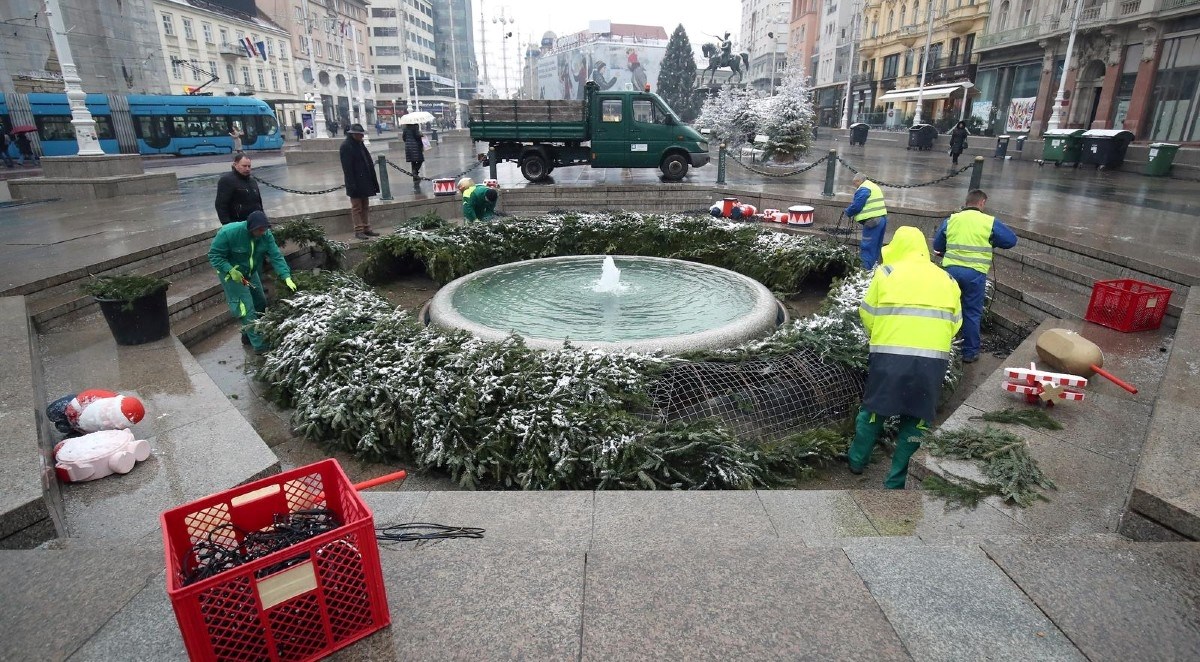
235,275
290,283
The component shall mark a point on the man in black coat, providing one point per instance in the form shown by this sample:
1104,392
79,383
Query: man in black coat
361,182
237,192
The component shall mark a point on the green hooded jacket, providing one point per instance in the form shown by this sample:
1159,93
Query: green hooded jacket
235,246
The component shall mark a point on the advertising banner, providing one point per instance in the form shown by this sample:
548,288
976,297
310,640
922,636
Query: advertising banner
613,65
1020,114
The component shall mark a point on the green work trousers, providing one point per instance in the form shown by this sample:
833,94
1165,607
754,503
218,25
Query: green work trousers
867,427
246,304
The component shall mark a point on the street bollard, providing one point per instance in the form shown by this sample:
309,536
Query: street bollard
976,174
385,188
721,165
492,164
830,173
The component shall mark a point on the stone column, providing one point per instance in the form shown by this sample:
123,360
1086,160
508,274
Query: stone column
1114,57
1045,95
1137,118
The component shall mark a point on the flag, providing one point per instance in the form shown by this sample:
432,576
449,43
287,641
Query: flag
262,49
248,44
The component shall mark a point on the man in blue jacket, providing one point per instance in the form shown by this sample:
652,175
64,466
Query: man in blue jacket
237,253
869,212
966,240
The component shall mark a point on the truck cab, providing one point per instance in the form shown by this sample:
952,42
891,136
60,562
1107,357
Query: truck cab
639,130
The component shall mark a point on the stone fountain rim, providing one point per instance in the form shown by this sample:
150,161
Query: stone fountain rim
759,321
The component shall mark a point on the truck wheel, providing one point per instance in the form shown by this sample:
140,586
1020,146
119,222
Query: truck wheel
535,168
674,167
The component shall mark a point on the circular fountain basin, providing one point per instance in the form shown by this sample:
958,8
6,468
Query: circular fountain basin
659,305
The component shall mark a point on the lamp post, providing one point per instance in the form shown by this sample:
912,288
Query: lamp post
850,64
504,35
81,118
924,62
454,60
362,101
1056,116
962,112
318,103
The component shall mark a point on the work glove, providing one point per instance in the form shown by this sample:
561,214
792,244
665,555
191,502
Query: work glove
290,283
236,275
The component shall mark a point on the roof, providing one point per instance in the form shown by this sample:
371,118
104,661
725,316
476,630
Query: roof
259,19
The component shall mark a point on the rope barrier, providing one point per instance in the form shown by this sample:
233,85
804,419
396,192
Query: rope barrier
774,174
393,166
297,191
931,183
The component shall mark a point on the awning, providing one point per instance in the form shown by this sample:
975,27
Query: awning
910,94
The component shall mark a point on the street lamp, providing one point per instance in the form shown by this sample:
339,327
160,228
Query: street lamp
1056,116
774,54
924,62
962,112
454,60
504,45
850,64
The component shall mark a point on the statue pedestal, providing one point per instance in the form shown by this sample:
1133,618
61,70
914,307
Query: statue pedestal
92,177
314,150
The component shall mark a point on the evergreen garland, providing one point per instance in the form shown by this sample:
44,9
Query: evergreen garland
305,233
1031,418
677,76
1012,473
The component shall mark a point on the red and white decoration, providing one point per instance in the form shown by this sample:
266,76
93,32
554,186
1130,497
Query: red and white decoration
98,454
1043,386
95,409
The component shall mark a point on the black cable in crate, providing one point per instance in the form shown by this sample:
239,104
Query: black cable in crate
214,555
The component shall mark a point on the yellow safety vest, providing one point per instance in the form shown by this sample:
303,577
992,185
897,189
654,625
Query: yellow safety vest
968,240
874,207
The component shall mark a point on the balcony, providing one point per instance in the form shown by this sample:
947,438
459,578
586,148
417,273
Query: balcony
962,20
236,50
1009,37
866,77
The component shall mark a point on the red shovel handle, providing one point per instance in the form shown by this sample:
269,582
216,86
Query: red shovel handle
1114,379
387,478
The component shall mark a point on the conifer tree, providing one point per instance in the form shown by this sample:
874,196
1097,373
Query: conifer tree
788,117
677,76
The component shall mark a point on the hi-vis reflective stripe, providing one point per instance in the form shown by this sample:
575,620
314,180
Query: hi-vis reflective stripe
959,257
872,206
241,309
966,247
251,256
910,351
912,312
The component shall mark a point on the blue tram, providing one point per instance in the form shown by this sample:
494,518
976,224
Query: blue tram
147,124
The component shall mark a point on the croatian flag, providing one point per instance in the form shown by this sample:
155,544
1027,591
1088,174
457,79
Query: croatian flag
248,44
262,49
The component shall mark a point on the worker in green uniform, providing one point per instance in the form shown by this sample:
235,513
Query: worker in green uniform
237,253
911,312
479,202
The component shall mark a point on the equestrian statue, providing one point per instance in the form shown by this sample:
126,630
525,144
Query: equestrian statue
721,56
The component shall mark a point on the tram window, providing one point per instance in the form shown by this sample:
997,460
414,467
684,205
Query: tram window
249,126
54,127
269,126
104,127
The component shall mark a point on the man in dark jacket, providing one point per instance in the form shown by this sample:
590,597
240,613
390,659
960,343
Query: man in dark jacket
237,192
361,182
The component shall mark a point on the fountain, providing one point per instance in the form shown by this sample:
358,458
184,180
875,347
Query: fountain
648,304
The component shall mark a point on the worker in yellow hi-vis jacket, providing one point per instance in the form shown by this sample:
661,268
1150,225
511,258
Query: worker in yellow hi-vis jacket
237,253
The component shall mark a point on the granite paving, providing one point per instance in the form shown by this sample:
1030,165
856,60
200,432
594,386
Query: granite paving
638,519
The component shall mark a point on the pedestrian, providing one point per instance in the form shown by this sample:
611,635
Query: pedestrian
414,150
298,129
958,141
5,141
361,182
236,134
966,240
479,202
237,192
25,148
238,253
867,209
308,132
379,128
333,127
911,312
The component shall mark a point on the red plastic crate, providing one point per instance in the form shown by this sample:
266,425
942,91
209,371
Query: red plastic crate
1128,305
329,597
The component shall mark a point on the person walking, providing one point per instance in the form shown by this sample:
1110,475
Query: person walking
5,141
958,141
361,182
333,128
25,148
966,240
479,202
911,312
238,253
298,129
237,192
414,150
236,134
867,209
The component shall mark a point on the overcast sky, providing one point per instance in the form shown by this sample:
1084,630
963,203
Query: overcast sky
700,18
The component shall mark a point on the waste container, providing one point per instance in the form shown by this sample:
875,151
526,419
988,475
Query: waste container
858,133
1021,145
1162,156
1062,146
921,136
1105,148
1001,146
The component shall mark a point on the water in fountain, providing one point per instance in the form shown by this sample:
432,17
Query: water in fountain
610,277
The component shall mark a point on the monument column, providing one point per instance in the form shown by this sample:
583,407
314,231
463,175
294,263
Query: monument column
1137,118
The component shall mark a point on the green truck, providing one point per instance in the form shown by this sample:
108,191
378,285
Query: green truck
606,130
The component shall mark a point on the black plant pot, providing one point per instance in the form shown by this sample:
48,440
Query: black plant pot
145,320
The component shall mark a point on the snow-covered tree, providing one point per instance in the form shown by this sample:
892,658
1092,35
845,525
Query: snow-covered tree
677,76
732,115
788,117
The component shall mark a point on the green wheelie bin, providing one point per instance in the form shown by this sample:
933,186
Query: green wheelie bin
1161,157
1062,146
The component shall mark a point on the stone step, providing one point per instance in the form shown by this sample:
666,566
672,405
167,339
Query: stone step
1037,297
202,323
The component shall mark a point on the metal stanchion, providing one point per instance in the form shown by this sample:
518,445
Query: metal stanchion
492,164
385,187
721,165
830,173
976,174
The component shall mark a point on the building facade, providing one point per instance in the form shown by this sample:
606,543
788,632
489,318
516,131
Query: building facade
401,39
454,43
835,44
765,27
892,52
115,46
804,29
1134,66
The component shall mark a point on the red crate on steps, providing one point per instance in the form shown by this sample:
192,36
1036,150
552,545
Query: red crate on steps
1127,305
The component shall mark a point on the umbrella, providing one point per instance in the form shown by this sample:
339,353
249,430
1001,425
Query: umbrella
419,117
28,128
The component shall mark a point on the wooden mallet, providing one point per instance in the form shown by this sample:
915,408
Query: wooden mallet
1067,351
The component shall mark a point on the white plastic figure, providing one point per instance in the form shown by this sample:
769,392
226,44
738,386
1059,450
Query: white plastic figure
98,454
